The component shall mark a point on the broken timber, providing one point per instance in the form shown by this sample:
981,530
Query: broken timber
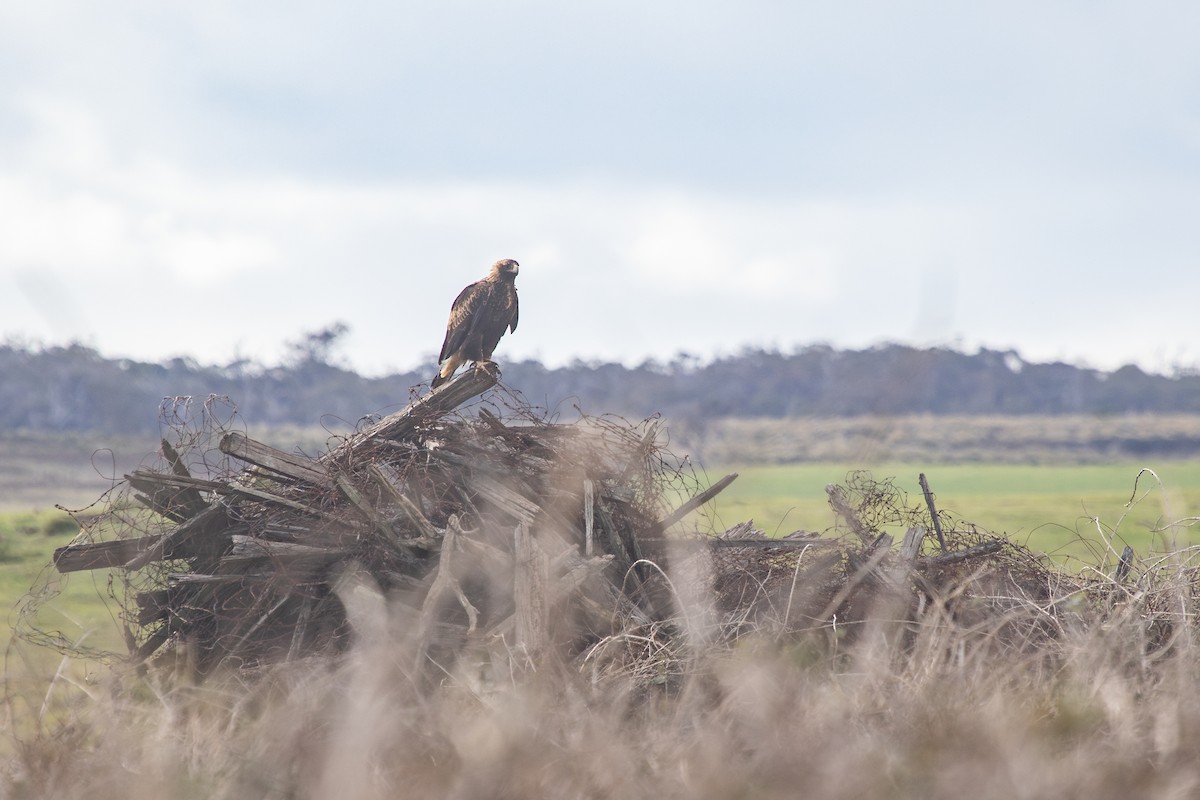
516,536
430,507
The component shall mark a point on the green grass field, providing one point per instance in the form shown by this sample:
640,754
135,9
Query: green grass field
1061,510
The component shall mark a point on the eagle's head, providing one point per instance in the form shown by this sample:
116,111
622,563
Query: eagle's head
505,268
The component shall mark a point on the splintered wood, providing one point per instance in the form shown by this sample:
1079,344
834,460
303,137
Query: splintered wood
514,534
509,539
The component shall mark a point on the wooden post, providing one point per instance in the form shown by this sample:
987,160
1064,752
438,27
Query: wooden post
937,524
529,592
589,517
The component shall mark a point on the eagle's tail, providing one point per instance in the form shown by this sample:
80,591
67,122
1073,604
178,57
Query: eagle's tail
448,368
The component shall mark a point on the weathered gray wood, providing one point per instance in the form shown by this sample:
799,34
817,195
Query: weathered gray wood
445,398
181,483
364,506
911,547
639,454
763,544
162,496
966,553
589,522
153,606
191,498
937,523
879,552
444,580
510,502
1124,565
252,547
287,465
267,497
204,522
691,505
99,555
841,507
529,593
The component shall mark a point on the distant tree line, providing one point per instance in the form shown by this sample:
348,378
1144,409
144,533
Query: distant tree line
75,388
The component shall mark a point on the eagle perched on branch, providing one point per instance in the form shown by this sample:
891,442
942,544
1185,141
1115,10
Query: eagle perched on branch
478,318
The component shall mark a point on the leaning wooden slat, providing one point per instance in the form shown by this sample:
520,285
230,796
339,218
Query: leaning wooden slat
166,501
163,509
98,555
291,466
153,606
190,497
762,544
180,483
258,494
208,520
694,503
955,556
446,398
363,505
510,502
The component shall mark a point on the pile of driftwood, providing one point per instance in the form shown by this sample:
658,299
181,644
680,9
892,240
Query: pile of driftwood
514,535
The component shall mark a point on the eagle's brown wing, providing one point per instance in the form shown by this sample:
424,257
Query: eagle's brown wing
497,311
463,313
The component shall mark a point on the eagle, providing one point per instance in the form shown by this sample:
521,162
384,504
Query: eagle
478,318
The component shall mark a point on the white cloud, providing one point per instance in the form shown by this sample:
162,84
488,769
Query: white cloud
755,174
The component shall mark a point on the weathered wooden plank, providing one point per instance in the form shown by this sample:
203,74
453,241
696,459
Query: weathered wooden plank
911,547
444,581
510,502
153,606
530,593
763,544
691,505
933,513
99,555
208,520
245,547
364,506
943,559
640,453
267,497
181,483
589,518
191,498
165,494
446,398
841,506
285,464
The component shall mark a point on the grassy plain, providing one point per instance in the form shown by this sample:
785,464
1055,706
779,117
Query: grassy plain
1068,511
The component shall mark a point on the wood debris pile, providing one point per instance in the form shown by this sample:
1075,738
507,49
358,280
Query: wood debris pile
513,537
528,534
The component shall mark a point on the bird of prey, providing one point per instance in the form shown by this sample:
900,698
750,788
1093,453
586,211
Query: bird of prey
478,318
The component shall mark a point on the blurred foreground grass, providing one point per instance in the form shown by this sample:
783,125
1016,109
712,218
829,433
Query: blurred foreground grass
1100,709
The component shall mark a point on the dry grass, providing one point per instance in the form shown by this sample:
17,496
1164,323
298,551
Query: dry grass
1065,689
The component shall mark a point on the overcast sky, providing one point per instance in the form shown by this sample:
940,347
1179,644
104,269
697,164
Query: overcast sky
213,178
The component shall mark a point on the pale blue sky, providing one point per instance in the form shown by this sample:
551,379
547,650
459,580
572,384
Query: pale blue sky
212,178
